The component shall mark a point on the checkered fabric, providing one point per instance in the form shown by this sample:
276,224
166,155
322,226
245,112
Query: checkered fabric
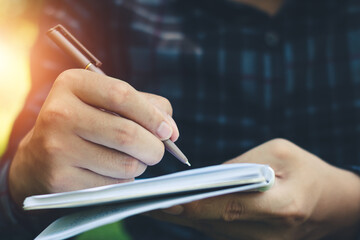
235,76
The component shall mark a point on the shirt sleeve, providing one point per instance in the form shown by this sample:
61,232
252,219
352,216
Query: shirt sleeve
15,223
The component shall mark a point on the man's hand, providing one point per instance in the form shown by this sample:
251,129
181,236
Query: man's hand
92,130
309,200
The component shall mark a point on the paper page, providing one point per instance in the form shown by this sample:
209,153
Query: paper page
191,180
74,224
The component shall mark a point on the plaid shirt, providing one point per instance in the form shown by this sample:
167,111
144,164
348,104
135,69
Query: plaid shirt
235,76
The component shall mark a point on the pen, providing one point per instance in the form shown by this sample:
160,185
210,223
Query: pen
69,44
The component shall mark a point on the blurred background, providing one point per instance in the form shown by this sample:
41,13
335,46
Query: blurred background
18,30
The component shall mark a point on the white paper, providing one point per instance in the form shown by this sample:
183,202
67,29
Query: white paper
190,180
96,216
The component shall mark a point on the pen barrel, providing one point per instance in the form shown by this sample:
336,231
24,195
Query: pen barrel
81,60
85,63
93,68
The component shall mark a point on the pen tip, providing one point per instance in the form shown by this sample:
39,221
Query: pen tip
187,163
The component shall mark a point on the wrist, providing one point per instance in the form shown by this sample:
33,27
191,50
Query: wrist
338,209
20,187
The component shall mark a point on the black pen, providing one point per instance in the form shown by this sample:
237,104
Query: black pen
69,44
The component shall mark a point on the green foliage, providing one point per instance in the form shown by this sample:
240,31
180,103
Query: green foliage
108,232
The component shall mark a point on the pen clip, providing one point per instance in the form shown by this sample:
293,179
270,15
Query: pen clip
63,31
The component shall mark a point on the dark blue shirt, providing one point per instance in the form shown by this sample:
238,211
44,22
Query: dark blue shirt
235,76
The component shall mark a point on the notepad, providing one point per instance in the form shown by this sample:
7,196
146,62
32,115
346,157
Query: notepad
104,205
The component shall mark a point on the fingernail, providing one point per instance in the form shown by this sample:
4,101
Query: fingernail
175,210
176,133
164,131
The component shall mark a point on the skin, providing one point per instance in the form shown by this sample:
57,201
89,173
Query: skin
75,145
309,200
71,147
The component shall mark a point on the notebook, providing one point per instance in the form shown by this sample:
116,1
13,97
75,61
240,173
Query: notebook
104,205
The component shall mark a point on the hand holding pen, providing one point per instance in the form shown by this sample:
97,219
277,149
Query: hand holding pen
76,145
68,43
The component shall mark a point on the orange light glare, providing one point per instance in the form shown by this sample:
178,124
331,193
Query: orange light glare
14,76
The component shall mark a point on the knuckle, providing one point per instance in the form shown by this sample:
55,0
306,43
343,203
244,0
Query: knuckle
119,93
65,77
132,168
155,116
126,135
54,114
52,147
294,215
281,148
233,210
166,105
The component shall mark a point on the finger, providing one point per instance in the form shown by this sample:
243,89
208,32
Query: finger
233,207
176,133
160,102
116,96
72,178
118,133
105,161
219,229
280,154
164,105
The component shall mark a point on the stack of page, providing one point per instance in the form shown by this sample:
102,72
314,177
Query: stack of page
103,205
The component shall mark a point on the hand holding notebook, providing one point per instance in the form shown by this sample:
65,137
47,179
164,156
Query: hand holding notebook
116,202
